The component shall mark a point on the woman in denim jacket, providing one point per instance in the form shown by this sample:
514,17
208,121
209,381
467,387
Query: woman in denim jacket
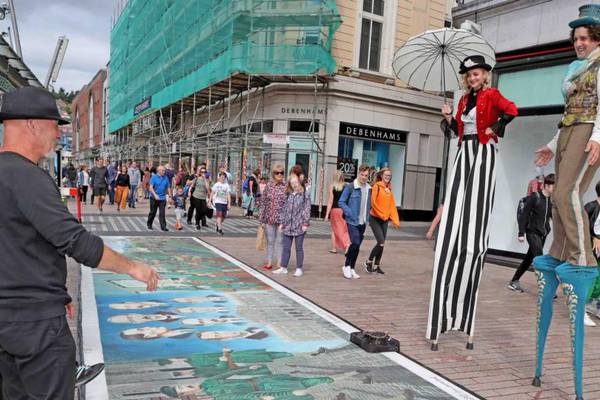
295,219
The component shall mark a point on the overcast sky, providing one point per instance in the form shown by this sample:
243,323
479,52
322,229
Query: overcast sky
86,23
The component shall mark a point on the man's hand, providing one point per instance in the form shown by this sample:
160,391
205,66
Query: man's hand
543,156
489,131
70,311
395,226
144,273
429,235
156,197
521,239
593,150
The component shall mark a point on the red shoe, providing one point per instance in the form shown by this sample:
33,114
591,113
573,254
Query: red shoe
266,267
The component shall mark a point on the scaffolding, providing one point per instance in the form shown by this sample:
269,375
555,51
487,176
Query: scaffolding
163,51
188,77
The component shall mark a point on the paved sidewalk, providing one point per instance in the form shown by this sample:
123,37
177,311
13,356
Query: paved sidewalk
502,364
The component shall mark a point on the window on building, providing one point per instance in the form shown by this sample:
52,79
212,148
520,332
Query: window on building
371,34
77,127
91,121
304,126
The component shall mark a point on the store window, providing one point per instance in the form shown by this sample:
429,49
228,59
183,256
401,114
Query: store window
388,149
371,35
304,126
534,87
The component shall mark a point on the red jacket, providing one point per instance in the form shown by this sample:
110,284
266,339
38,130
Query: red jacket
490,104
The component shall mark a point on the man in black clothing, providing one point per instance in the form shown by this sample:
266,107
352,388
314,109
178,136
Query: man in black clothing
99,180
37,232
534,225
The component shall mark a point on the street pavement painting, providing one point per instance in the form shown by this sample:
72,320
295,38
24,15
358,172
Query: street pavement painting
218,330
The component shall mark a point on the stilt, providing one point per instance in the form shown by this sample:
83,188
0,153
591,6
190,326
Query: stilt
576,282
547,282
470,343
434,345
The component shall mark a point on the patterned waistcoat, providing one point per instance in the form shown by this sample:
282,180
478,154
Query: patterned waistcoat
582,104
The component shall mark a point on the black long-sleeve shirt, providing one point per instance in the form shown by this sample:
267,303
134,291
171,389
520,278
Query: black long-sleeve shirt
36,233
123,180
536,215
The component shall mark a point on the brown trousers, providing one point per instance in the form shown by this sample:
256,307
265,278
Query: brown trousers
573,177
121,196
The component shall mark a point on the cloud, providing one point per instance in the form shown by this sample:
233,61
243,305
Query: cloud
86,23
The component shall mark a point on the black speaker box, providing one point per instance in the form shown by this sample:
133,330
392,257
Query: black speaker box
375,342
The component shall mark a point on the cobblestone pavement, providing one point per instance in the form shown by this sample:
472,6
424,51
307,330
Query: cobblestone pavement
217,330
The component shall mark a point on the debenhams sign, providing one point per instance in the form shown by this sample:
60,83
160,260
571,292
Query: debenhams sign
372,133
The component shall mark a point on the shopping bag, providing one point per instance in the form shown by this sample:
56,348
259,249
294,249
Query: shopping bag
261,238
246,201
209,212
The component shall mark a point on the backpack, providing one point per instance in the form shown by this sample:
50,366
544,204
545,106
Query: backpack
521,206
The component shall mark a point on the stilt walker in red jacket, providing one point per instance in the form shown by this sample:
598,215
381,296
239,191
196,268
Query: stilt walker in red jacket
463,235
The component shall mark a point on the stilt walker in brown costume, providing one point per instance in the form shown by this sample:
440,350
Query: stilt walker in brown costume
576,146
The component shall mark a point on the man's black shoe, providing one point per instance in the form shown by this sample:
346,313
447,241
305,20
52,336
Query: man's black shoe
369,266
85,373
205,224
197,227
379,270
150,227
164,229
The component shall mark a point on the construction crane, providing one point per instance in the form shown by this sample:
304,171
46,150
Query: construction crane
56,63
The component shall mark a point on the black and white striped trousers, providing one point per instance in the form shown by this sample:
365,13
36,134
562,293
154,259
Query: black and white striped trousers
463,239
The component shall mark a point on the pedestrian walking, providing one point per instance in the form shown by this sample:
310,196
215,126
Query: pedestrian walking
271,206
221,200
99,180
228,177
571,261
534,225
355,202
112,181
83,182
383,210
295,220
592,210
72,175
159,189
252,193
37,232
122,187
146,183
339,230
480,120
135,178
179,203
200,190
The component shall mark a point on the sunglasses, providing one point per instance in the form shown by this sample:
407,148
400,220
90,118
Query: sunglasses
278,172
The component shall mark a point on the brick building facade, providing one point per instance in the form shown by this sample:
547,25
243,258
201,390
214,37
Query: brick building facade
87,120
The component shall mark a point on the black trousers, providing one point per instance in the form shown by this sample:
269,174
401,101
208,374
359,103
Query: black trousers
37,360
379,228
536,248
160,206
200,206
83,193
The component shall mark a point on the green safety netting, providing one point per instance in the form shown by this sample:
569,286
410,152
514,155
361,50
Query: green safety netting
167,50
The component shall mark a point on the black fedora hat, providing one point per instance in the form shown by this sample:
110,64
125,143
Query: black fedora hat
472,62
29,103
